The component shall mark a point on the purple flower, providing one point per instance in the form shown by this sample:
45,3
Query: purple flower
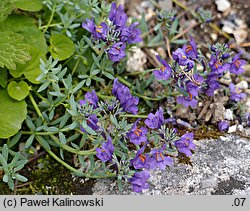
217,66
139,181
164,72
193,91
235,93
191,50
155,121
105,153
225,55
92,99
187,101
98,32
223,125
236,65
159,160
182,59
212,84
117,52
137,135
141,160
92,121
128,102
185,144
134,34
117,15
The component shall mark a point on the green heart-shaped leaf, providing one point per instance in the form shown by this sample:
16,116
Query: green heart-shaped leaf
12,114
18,91
29,5
61,47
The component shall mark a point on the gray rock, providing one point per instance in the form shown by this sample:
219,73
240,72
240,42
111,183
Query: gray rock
219,167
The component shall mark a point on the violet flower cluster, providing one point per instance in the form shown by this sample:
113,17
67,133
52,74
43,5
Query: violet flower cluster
204,82
115,32
146,156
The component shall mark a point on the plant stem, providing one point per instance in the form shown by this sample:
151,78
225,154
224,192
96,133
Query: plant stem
72,150
141,73
148,98
50,19
52,154
134,116
76,65
65,147
51,25
36,106
124,81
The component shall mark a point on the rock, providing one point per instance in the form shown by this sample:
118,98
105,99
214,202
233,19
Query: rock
228,29
165,4
208,115
219,167
226,79
242,85
247,69
162,52
248,106
218,111
228,114
214,36
136,60
223,5
240,35
240,128
232,129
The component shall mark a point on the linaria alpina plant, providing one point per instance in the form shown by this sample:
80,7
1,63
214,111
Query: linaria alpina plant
65,89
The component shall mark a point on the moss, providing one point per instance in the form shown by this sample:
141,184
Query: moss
48,177
203,132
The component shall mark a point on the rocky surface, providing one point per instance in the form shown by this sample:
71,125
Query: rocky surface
220,167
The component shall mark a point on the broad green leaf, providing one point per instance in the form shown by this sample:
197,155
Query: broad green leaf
31,69
12,50
29,5
5,9
12,114
25,26
18,91
61,47
3,77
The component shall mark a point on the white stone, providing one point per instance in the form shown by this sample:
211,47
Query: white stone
228,114
248,106
223,138
241,128
222,5
242,85
240,35
136,60
232,129
228,29
214,36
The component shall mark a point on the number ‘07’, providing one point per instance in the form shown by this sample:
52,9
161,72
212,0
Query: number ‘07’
239,201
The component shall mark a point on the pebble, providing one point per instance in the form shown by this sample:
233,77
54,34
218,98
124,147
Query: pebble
136,60
228,114
241,128
242,85
240,35
214,36
222,5
232,129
